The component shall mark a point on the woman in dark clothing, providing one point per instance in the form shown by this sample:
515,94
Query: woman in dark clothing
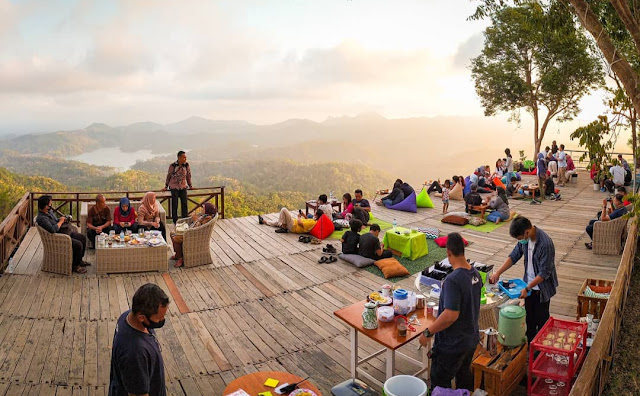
396,196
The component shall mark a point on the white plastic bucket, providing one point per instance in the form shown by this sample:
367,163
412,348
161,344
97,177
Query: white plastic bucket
405,385
596,187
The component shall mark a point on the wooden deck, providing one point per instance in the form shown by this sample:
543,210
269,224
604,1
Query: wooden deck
265,304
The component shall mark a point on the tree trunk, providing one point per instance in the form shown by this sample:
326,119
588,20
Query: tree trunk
634,120
537,145
618,63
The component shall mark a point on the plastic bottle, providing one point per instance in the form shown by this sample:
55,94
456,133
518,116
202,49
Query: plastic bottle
395,223
122,236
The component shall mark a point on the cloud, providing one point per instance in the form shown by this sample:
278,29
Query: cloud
469,49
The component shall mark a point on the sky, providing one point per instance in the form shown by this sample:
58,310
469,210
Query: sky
65,64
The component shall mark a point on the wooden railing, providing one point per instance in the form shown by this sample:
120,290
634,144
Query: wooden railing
13,228
69,203
595,370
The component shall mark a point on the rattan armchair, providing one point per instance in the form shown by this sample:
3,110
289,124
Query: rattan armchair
609,236
58,253
196,245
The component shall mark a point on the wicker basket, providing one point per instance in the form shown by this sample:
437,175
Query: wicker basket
593,305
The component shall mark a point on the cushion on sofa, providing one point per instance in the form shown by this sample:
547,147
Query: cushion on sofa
391,268
423,200
357,260
323,228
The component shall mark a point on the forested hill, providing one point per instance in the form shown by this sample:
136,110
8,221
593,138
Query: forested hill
13,186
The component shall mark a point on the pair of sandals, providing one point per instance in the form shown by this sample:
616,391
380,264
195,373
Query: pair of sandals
327,259
308,239
329,249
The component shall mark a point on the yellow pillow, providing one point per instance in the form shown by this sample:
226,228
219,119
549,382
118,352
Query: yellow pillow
391,268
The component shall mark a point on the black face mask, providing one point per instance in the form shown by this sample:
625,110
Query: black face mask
153,325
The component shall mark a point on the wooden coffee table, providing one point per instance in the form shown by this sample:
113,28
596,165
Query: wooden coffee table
254,383
313,204
479,208
387,335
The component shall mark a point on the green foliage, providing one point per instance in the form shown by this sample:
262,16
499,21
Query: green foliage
596,139
132,180
13,186
534,58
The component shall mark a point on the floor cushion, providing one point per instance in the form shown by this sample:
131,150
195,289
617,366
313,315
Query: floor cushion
467,186
408,205
442,241
430,232
454,219
456,192
477,221
357,260
423,200
534,171
323,228
391,268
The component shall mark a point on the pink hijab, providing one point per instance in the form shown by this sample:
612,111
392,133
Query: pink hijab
149,206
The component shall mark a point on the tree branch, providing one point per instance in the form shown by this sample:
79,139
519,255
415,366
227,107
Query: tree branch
626,16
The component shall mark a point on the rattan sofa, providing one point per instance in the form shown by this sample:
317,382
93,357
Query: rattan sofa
609,236
57,256
84,211
196,245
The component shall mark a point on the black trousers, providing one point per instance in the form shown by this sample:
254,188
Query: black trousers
385,254
590,228
537,313
435,186
79,245
175,194
91,234
446,366
117,228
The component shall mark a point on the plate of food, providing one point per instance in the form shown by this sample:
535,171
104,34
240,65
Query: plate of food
155,241
303,392
134,242
379,298
127,238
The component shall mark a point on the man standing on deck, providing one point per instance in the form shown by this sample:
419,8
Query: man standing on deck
178,179
539,271
137,367
456,328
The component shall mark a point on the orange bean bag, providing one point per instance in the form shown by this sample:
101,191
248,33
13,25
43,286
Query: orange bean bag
323,228
498,182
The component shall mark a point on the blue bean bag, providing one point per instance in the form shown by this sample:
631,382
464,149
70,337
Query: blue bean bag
467,186
408,205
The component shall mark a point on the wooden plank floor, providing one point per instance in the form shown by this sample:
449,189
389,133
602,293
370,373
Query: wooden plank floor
265,304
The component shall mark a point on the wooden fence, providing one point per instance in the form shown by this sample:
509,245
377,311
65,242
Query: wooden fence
595,370
17,223
13,228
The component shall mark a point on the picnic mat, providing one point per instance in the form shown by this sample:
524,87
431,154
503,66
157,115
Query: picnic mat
436,253
383,226
488,226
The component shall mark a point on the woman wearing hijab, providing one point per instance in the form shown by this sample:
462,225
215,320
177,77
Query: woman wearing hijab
149,215
500,204
195,221
124,217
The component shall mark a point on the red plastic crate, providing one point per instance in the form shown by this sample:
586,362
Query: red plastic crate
541,366
541,388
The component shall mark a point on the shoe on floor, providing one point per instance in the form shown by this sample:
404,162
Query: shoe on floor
588,245
260,219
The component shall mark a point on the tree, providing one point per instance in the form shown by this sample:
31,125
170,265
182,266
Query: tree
534,59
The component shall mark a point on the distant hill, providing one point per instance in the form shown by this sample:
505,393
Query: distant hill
13,186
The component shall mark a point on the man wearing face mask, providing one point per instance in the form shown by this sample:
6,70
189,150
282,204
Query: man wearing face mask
539,271
137,367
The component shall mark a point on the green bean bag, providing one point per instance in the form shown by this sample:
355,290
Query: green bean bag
423,200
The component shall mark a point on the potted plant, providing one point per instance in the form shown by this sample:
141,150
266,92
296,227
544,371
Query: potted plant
597,138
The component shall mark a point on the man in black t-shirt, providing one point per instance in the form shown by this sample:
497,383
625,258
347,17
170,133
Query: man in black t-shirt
137,367
473,198
456,328
369,245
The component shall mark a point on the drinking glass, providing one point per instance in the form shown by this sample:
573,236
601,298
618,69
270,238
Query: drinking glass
112,233
141,232
128,233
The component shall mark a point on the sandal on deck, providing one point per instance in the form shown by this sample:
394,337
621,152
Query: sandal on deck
80,270
323,259
179,263
588,245
282,230
314,241
332,259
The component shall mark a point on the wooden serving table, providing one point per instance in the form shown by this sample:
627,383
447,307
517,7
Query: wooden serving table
313,204
254,383
387,335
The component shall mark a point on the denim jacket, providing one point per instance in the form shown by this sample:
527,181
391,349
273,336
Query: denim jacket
543,263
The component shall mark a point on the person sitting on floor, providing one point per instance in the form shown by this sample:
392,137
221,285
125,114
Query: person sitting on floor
47,219
406,188
98,219
512,190
286,222
149,214
361,208
209,212
500,204
370,247
347,205
351,238
124,217
396,196
472,199
618,210
324,206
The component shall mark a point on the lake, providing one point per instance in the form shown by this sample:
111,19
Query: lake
115,157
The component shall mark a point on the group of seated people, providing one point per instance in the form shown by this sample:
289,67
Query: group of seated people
298,223
366,245
620,172
497,201
618,209
400,191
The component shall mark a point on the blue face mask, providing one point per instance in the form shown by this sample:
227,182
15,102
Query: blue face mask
522,241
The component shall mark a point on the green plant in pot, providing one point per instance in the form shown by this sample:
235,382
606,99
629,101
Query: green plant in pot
597,138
